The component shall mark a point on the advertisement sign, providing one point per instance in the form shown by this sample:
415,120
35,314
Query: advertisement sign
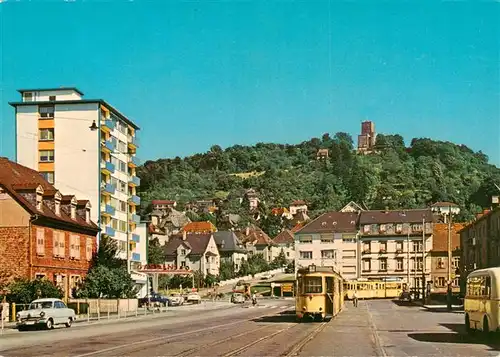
164,268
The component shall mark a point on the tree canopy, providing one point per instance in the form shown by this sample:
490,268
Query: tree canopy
394,176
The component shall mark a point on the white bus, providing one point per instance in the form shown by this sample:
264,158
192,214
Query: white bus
482,300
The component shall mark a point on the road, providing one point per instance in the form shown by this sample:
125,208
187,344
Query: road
375,328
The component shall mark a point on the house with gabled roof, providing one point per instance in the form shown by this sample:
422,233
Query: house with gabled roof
285,242
257,242
164,223
193,251
43,233
352,207
230,248
199,227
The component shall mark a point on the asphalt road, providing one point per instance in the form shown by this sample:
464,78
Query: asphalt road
375,328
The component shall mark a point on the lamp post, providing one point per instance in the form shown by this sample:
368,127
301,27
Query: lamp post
448,289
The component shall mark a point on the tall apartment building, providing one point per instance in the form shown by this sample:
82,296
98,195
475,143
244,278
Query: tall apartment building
88,147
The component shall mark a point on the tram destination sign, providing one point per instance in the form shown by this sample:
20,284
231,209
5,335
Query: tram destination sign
164,269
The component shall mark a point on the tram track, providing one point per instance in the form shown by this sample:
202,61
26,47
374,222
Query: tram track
304,341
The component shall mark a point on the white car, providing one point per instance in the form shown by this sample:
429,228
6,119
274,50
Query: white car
176,299
194,298
46,313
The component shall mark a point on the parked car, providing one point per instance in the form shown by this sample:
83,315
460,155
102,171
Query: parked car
45,313
405,296
154,299
194,298
176,299
238,298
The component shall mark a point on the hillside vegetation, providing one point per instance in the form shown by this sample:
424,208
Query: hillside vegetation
395,176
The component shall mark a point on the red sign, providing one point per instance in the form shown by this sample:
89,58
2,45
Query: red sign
164,268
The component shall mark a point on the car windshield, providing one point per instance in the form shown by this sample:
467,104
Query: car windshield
40,305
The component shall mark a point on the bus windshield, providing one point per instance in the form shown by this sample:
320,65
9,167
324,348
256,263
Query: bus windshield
312,285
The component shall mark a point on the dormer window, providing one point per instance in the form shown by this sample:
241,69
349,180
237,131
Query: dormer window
57,203
73,208
87,212
39,198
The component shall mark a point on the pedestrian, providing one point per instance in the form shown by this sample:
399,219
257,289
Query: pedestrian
254,299
355,298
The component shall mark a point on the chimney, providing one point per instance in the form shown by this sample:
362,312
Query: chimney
73,209
57,204
87,215
184,235
39,198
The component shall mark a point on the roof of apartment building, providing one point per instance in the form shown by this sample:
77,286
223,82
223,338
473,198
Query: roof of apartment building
202,227
254,235
196,243
227,241
284,237
444,204
20,180
51,90
440,236
340,222
396,216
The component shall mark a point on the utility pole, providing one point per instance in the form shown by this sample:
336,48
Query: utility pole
423,259
448,291
408,257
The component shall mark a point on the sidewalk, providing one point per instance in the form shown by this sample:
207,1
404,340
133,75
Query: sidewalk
438,307
142,313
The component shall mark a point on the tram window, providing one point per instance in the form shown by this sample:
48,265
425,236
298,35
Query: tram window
312,285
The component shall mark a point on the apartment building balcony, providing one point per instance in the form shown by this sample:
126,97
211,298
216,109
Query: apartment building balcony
107,167
136,238
134,161
109,231
108,189
135,218
107,125
108,146
134,181
133,142
107,210
135,200
135,257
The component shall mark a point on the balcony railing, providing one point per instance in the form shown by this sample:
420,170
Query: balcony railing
107,166
109,231
135,160
135,218
136,257
133,141
108,123
108,144
109,188
134,180
135,200
108,209
136,238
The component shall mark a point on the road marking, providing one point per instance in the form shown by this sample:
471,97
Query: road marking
296,349
376,337
238,350
169,337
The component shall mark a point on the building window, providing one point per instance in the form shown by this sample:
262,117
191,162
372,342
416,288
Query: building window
40,241
440,263
306,255
48,176
455,262
46,112
383,247
399,264
123,226
59,246
52,98
46,134
28,97
440,282
399,228
416,227
326,238
39,276
328,254
305,239
399,247
74,250
382,264
183,264
419,265
367,265
183,252
89,249
417,246
366,228
46,156
366,247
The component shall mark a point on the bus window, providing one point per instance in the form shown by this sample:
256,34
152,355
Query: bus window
313,285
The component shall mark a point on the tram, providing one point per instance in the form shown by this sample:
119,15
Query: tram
319,293
373,289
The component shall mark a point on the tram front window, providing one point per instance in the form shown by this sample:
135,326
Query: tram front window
312,285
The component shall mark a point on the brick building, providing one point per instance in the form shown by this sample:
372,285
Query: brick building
42,232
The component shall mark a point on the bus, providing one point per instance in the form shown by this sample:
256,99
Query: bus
319,294
482,300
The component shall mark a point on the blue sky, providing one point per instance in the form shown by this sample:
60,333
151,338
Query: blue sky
197,73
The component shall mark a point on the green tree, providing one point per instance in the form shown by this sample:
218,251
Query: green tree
226,270
105,282
279,261
155,252
24,291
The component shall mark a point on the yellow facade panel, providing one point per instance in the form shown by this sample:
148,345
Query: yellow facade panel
46,123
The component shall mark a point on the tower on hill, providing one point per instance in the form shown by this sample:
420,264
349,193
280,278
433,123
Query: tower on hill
366,140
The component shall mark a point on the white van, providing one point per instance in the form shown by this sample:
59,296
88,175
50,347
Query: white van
482,300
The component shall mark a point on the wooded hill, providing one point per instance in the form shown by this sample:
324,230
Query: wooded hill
394,176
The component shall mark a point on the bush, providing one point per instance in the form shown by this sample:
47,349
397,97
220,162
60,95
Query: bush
23,291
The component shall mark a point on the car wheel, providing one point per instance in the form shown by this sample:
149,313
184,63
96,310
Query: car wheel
486,326
49,324
21,328
68,324
468,329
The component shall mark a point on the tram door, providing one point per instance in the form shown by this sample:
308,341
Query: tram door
329,296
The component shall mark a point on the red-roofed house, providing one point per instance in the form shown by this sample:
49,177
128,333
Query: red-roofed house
194,251
199,227
163,205
258,242
298,206
42,232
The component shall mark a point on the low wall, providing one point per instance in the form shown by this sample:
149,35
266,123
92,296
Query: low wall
250,277
93,306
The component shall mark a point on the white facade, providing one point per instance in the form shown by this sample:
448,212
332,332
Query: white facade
54,137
